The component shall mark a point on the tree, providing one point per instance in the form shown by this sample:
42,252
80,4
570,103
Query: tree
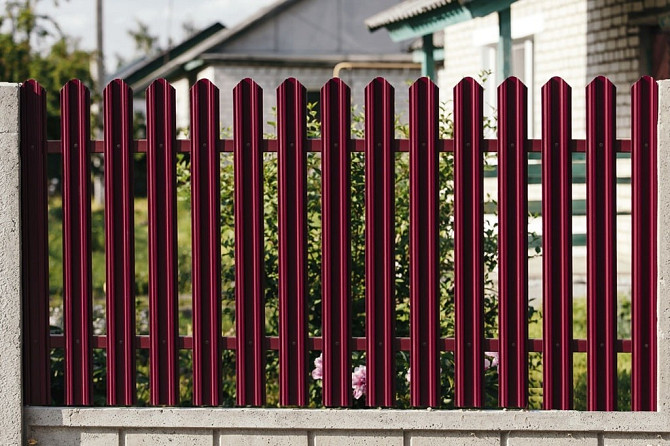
34,47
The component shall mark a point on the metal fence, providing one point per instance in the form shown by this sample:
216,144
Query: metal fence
335,145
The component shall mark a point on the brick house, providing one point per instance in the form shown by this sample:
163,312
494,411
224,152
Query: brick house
536,40
574,39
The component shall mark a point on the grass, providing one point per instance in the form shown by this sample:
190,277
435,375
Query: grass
184,250
98,273
579,330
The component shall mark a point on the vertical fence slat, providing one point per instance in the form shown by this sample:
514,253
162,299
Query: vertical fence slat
75,137
424,244
34,242
206,241
601,244
336,242
513,243
557,243
162,203
644,112
250,307
119,243
292,186
379,242
468,243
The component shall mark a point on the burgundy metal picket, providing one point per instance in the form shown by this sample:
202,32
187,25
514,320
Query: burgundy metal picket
162,204
119,243
381,343
557,244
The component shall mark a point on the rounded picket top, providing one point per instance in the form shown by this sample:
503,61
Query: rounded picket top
117,85
335,84
556,85
511,84
75,84
34,87
335,114
468,82
644,85
33,99
204,86
158,86
601,82
423,111
423,84
601,88
118,116
247,86
74,87
379,85
75,98
336,97
161,111
291,82
470,93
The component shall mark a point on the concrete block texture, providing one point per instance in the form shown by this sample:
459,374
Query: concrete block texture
663,251
552,438
168,437
250,437
67,436
11,392
9,108
362,438
635,440
459,438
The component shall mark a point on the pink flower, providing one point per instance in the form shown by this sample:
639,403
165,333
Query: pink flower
491,360
317,373
359,382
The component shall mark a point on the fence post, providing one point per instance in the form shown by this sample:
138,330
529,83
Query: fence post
11,393
663,249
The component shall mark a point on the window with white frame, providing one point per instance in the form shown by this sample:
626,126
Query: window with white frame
521,66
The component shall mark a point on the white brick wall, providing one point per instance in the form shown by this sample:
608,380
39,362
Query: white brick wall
574,39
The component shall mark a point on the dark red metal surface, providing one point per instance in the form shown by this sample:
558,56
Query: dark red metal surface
424,244
249,298
357,344
468,243
206,242
336,242
292,226
379,243
75,134
119,243
34,245
162,203
513,243
355,145
557,243
601,261
644,113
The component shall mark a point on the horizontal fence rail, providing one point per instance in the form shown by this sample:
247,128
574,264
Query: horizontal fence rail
467,343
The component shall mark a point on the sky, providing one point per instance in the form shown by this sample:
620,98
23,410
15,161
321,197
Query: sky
164,17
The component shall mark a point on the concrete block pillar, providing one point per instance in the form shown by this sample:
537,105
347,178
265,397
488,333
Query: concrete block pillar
11,388
663,251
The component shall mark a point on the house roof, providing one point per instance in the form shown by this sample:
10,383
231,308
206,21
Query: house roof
415,18
138,68
142,78
403,11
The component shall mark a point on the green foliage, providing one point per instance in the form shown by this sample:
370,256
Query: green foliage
358,254
25,55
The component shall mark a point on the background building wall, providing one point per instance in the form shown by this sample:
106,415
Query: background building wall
269,78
